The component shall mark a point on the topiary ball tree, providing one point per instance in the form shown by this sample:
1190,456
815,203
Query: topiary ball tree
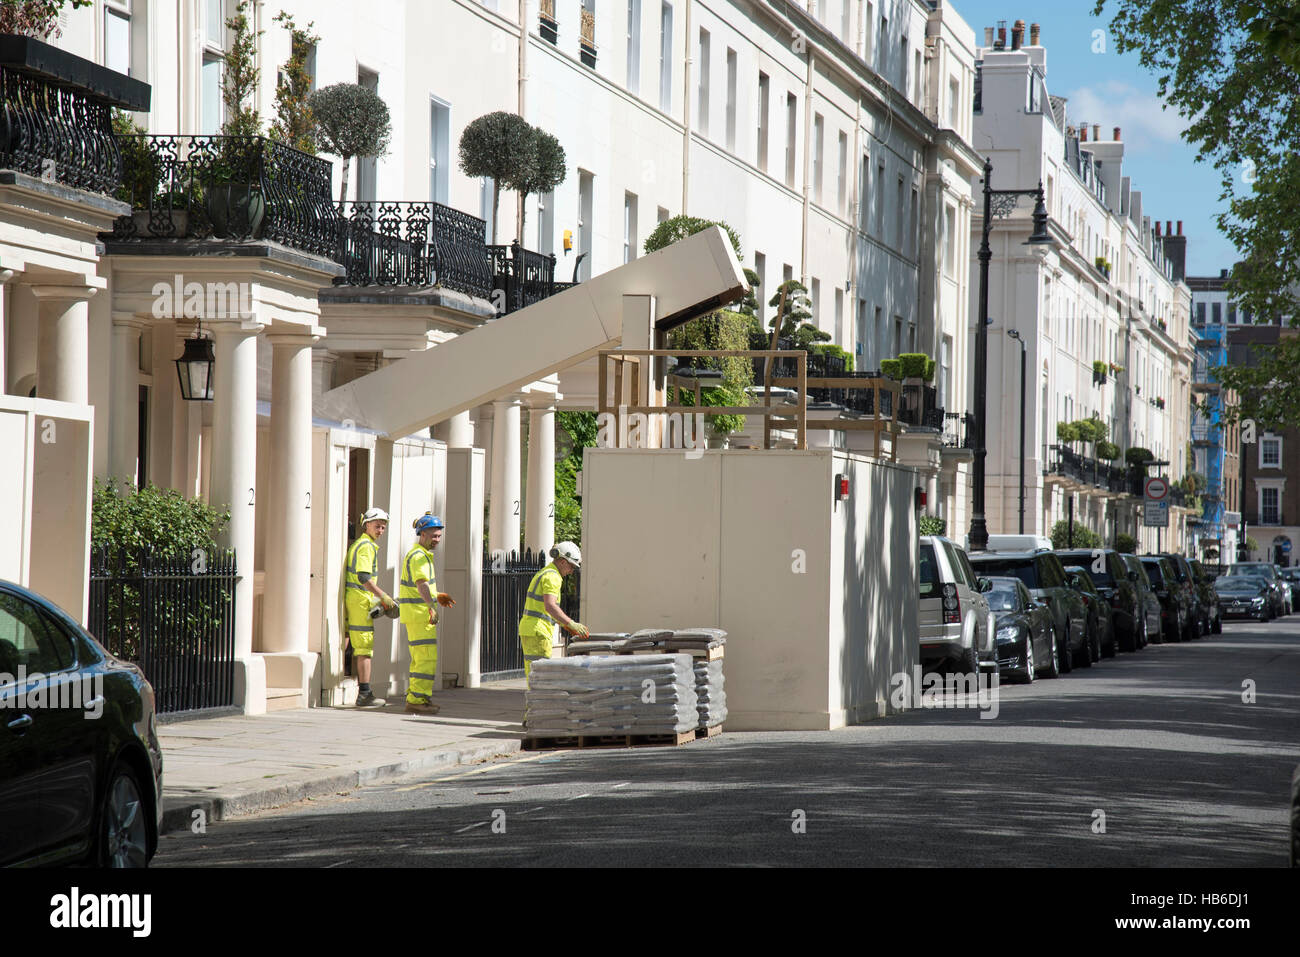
351,120
501,145
544,170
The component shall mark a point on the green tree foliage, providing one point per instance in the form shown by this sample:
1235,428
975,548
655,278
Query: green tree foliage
544,169
1232,69
1125,543
1108,451
1084,537
152,519
500,145
1136,456
575,431
725,329
35,18
240,76
932,525
293,124
351,120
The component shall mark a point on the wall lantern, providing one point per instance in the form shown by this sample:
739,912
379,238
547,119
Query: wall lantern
194,368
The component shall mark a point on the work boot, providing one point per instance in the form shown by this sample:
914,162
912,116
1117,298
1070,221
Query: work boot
365,699
422,708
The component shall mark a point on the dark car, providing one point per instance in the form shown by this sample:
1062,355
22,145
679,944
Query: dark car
82,768
1245,596
1292,577
1099,615
1175,600
1213,620
1108,572
1150,604
1268,572
1026,641
1186,579
1044,576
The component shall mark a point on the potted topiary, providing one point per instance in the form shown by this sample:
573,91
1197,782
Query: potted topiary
892,368
232,178
501,146
1099,371
351,120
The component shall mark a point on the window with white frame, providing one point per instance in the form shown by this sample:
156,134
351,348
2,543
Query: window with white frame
117,36
841,183
214,47
629,227
704,83
949,241
819,130
1270,505
731,100
634,46
816,291
1270,452
666,57
791,127
764,92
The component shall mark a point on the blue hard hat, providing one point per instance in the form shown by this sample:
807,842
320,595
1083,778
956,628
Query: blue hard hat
426,521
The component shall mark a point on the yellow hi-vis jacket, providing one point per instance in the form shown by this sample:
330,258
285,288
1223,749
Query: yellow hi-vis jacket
536,623
362,558
416,567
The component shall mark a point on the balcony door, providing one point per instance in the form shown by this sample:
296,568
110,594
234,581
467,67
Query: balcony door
367,166
439,149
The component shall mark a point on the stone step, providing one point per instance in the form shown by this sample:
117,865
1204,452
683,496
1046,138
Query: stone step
285,699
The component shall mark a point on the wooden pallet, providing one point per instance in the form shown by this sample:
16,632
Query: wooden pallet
562,742
709,732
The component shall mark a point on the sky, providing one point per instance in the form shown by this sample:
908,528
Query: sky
1113,90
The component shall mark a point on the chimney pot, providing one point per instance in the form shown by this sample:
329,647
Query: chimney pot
988,36
1096,132
1083,133
1033,34
1157,229
1180,227
1002,35
1117,134
1017,34
1169,227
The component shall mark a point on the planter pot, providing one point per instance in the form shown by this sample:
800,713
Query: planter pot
719,440
236,211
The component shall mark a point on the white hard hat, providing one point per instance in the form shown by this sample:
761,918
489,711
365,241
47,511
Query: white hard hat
569,552
374,515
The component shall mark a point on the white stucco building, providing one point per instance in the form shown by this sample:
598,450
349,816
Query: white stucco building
1103,310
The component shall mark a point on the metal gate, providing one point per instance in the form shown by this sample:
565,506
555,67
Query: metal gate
505,581
174,616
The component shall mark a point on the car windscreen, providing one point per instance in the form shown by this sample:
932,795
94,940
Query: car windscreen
1241,583
1155,573
1009,568
929,573
1003,597
1259,571
1086,560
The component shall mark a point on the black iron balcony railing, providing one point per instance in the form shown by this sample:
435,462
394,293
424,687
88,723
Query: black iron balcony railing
56,123
1061,460
226,187
414,244
958,430
521,276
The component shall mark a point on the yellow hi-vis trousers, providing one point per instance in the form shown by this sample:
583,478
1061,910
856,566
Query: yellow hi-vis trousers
422,639
535,647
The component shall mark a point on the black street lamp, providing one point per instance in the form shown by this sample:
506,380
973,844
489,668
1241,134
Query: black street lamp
1024,351
1006,203
194,368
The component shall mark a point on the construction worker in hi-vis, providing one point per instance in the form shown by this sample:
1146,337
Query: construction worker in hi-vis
418,598
542,606
363,599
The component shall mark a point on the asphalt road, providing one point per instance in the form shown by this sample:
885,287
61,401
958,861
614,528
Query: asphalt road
1157,746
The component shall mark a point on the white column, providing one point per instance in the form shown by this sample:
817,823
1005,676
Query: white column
20,338
233,482
63,342
287,596
540,510
504,531
322,371
124,434
5,276
457,432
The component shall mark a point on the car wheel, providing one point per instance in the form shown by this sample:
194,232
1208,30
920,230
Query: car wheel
969,662
1029,659
1217,629
1084,659
1262,617
123,827
1054,667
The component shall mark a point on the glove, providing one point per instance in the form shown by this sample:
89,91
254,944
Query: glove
392,611
388,603
433,616
445,600
578,630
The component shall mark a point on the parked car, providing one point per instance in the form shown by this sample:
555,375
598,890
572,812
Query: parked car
1175,600
1267,571
1025,638
1099,614
1186,579
1292,576
1204,581
1286,589
82,779
1245,596
1295,817
1018,543
955,622
1137,574
1044,576
1108,572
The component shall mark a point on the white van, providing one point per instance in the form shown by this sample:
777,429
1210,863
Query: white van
954,617
1015,543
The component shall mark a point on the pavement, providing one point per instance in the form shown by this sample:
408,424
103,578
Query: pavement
231,766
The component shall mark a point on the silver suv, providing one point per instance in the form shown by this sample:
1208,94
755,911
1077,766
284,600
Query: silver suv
955,622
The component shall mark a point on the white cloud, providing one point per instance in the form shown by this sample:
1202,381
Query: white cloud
1146,125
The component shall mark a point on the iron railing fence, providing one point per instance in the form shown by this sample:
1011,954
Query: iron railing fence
174,616
522,277
226,187
505,581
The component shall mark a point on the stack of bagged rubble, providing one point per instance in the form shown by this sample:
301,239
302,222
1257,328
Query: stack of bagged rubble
709,680
616,694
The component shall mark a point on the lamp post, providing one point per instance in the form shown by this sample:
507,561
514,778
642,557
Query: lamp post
1024,352
1006,200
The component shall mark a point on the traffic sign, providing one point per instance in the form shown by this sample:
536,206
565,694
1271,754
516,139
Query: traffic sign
1286,547
1156,489
1155,514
